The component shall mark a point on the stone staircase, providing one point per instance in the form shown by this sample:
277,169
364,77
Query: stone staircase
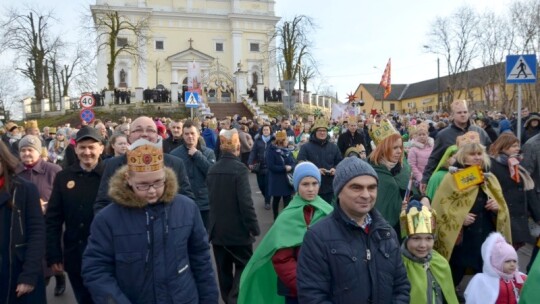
247,108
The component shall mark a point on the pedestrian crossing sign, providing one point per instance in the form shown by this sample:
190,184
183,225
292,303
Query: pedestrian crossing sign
192,99
521,69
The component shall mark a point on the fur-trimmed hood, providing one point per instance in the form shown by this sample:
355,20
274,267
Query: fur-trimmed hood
121,193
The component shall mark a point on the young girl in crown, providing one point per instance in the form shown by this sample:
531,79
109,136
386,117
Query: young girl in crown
428,271
500,281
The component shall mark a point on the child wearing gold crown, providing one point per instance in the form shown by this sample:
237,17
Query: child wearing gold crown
150,245
428,271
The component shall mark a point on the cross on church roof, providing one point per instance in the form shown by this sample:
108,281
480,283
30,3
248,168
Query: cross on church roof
190,42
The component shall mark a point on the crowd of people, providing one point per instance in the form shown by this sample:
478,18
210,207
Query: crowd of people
367,209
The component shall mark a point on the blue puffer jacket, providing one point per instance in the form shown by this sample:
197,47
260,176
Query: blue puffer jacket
196,168
340,263
323,154
276,159
141,253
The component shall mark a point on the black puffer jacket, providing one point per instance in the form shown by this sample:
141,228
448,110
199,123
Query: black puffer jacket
323,154
340,263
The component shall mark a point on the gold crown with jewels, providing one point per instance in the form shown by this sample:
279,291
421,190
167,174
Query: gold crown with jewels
145,158
382,131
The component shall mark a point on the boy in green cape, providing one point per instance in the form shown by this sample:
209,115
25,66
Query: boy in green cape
270,275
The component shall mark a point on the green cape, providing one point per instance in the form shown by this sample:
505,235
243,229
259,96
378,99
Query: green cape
530,293
258,283
389,191
434,182
452,206
418,278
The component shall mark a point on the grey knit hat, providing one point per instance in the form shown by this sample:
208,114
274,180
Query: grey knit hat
30,141
349,168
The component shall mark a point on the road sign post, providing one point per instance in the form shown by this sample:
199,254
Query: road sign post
520,69
192,101
87,115
87,101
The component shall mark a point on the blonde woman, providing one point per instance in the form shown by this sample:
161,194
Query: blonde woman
466,216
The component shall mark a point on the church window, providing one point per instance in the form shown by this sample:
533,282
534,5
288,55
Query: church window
159,45
120,41
254,47
219,46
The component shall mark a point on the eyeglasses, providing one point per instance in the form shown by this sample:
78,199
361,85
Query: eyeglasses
149,131
146,187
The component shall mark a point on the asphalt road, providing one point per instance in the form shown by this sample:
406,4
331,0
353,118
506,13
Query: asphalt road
265,221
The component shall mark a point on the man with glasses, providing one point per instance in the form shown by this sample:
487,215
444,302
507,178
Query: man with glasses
324,154
142,128
70,207
352,137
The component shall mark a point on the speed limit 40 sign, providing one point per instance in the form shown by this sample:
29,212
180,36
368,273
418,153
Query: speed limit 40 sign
87,101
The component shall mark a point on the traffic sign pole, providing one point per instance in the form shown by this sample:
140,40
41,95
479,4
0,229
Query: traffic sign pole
519,114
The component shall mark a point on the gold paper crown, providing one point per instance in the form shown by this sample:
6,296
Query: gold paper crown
31,124
460,102
10,126
471,137
417,221
319,123
382,131
229,140
281,135
352,118
145,158
52,130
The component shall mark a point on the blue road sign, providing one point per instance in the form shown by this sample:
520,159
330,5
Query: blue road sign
87,115
192,99
521,69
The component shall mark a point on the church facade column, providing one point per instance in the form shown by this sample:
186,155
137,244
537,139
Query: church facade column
237,46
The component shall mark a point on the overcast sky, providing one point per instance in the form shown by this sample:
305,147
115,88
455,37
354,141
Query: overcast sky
353,41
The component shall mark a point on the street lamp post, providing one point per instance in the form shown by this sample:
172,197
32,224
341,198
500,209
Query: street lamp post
439,96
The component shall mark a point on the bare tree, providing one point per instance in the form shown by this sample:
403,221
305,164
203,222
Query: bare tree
456,38
29,35
308,72
133,32
294,45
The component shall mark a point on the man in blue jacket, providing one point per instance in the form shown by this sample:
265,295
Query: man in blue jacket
197,159
352,255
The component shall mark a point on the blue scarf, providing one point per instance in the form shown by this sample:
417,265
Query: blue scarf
266,138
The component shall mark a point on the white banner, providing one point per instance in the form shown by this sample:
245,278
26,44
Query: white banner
343,111
194,77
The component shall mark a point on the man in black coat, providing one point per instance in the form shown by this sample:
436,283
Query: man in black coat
446,137
175,140
324,154
71,205
142,128
352,137
233,223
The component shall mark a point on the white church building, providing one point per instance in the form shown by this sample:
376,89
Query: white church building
222,36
